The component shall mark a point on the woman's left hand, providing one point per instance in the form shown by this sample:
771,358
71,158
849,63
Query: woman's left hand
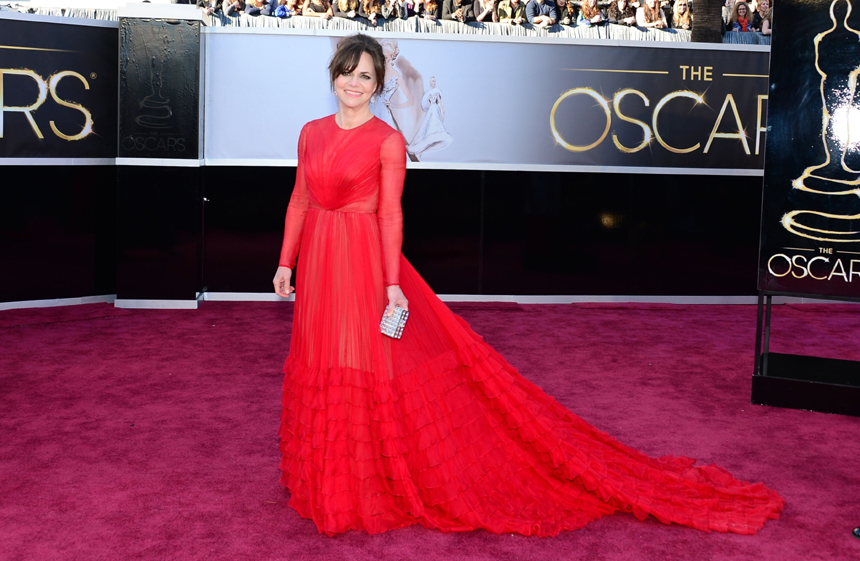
395,299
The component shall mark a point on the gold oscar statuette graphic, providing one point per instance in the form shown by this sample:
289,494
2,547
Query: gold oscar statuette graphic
837,60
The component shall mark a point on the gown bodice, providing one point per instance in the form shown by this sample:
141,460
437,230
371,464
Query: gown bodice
357,170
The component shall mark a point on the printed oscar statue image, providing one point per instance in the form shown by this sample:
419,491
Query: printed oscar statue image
837,60
431,135
155,111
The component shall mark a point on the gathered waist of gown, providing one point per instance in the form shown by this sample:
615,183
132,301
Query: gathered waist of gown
344,209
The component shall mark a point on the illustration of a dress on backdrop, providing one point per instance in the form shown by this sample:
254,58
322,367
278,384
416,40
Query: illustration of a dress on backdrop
431,134
396,104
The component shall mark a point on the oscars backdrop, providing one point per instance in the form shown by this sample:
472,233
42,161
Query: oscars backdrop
810,234
58,87
159,88
473,103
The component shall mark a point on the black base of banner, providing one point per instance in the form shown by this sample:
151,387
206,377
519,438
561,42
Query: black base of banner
818,384
826,385
159,233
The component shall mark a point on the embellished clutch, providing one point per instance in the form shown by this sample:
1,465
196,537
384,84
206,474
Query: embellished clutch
393,326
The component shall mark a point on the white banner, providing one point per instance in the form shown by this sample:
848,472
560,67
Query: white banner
501,103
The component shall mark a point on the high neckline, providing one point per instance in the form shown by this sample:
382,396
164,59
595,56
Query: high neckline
334,120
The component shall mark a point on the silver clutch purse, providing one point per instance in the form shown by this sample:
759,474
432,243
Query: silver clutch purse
393,326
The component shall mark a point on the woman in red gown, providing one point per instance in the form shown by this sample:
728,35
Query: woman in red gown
436,428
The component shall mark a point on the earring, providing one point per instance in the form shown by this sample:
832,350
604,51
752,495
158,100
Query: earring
334,94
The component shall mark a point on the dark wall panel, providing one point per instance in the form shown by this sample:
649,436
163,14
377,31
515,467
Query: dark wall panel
477,232
557,233
57,232
159,234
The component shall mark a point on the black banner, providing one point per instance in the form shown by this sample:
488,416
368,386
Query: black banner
810,234
58,87
159,88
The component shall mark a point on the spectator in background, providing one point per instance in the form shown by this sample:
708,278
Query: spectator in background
590,14
391,9
740,20
758,11
458,10
371,10
512,12
209,6
766,17
682,17
282,11
317,9
753,6
651,15
259,8
541,13
294,7
430,10
411,8
727,11
621,12
485,11
236,8
347,9
559,8
567,13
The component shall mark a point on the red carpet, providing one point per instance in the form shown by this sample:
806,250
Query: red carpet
153,435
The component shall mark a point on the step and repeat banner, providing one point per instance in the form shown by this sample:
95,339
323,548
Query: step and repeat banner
810,236
503,104
58,89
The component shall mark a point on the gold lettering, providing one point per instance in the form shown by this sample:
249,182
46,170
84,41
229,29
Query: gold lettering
696,73
646,132
88,118
770,261
730,100
759,128
708,70
26,110
838,265
684,72
801,267
809,266
664,101
851,271
580,91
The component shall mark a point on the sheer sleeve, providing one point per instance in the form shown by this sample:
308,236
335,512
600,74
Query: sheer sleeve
389,212
296,212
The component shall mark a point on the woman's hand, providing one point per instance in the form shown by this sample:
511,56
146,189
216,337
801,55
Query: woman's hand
395,299
282,282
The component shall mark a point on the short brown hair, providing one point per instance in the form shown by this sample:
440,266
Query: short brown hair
349,52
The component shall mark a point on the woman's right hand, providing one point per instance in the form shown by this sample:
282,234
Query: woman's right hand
282,282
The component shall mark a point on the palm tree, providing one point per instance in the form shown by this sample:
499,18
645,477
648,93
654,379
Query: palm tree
708,17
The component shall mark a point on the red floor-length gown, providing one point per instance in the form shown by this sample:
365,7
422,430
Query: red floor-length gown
437,428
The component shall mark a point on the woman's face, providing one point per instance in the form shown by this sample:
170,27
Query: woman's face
764,6
682,7
354,89
622,4
592,3
742,11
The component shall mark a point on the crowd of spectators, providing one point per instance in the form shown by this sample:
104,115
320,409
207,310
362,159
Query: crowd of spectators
738,15
540,13
756,15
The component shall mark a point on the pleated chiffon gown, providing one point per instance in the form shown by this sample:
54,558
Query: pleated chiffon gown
437,428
